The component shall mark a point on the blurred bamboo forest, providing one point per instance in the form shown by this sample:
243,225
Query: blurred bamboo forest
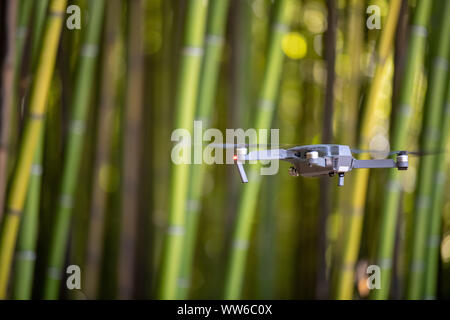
86,177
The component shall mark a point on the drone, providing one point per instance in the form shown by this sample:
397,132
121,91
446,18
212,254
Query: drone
320,160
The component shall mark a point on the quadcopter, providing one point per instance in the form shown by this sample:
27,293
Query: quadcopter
320,160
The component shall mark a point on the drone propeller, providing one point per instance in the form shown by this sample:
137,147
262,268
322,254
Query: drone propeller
416,153
234,146
246,145
398,152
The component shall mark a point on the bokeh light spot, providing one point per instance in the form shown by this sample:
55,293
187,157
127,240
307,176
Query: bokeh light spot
314,17
294,45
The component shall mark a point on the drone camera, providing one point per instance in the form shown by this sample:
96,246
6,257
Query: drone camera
293,172
402,162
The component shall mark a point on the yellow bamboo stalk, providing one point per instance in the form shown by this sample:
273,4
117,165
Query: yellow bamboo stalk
351,246
32,132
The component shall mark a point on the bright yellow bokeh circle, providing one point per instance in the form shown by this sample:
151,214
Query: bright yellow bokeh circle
294,45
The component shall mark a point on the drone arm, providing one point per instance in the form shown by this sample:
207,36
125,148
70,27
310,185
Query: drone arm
375,163
272,154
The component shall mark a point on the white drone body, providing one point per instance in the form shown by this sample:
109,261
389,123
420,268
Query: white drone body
319,160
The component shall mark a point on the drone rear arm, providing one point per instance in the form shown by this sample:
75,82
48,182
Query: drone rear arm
374,163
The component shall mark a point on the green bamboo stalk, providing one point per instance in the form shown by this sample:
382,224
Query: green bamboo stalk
344,288
32,131
36,34
285,208
430,140
7,97
26,243
25,9
107,112
11,127
265,112
399,138
355,45
327,136
23,19
241,86
85,77
437,200
110,255
132,151
188,81
214,43
164,67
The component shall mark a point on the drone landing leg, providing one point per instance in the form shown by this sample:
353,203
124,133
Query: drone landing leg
341,180
242,172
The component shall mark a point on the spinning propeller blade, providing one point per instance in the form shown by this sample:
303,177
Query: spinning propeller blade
390,153
243,145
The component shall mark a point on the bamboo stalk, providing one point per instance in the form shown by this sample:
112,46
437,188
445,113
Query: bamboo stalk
240,64
23,18
83,88
22,34
247,205
399,137
107,111
33,128
430,140
437,201
353,237
26,244
161,119
188,81
131,152
325,197
7,99
214,43
36,34
108,286
348,122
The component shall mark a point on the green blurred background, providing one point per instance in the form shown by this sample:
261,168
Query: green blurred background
93,184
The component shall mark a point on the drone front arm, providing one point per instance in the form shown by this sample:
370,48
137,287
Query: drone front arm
272,154
374,163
